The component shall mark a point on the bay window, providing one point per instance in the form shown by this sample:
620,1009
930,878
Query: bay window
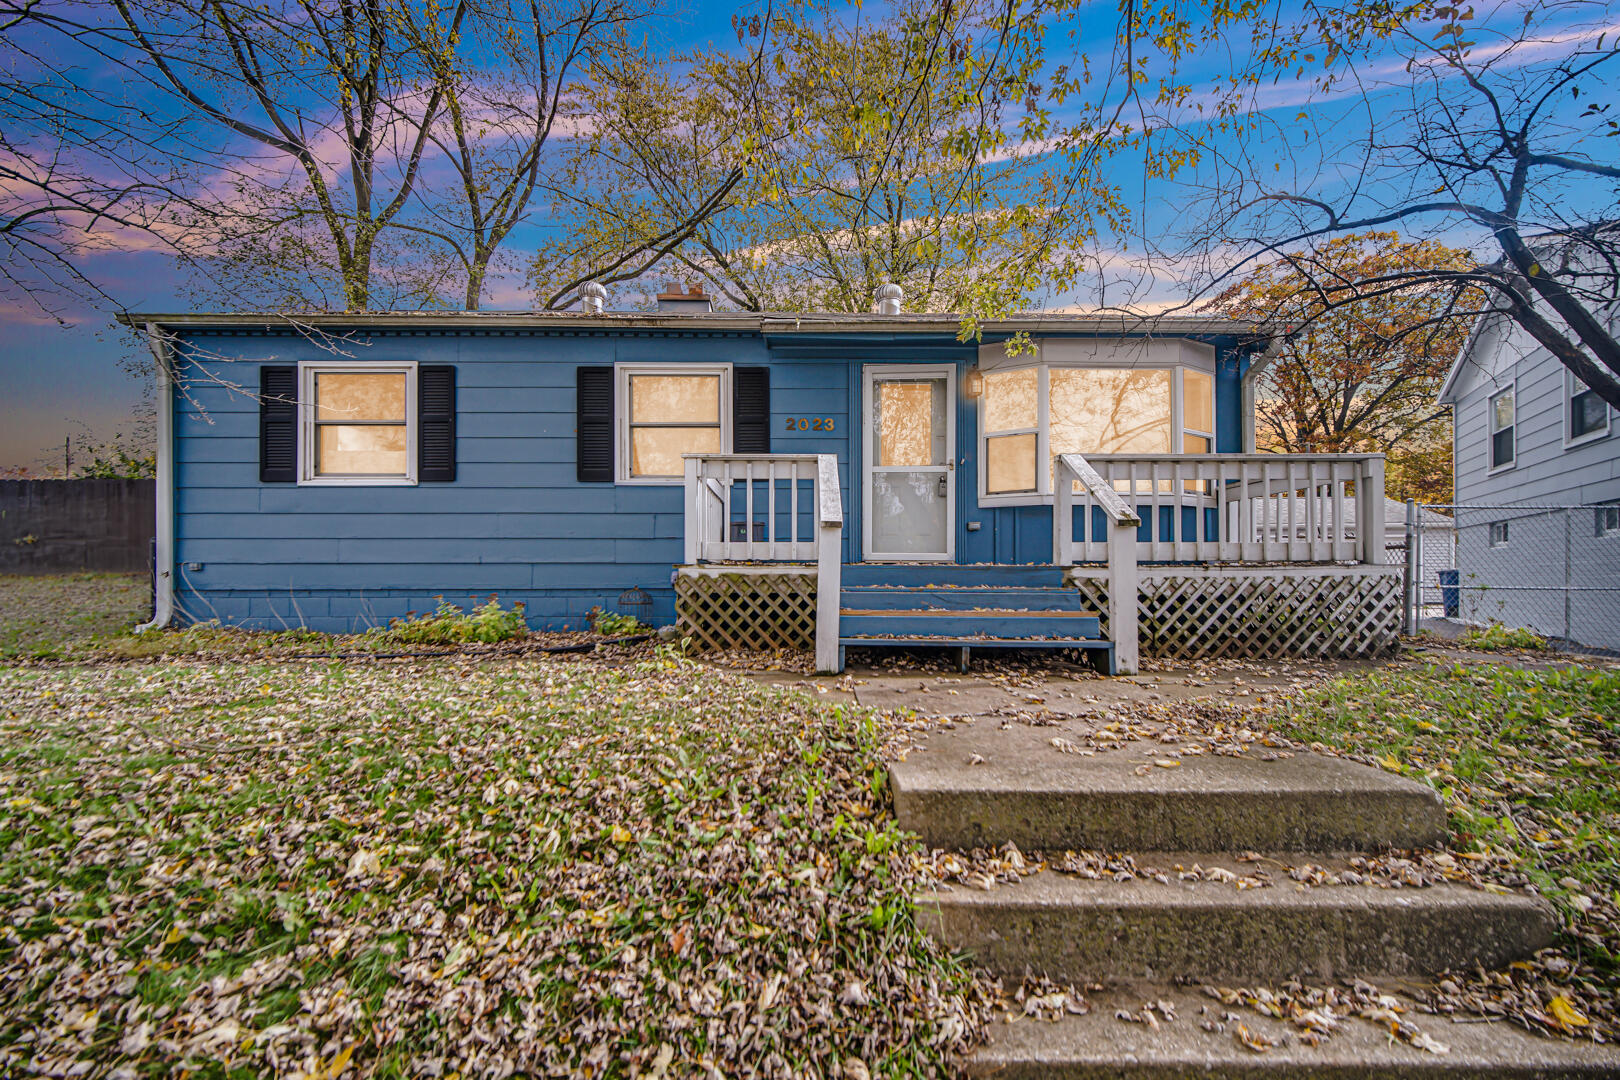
1137,405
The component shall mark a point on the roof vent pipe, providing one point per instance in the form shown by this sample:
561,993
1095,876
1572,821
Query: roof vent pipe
591,297
889,297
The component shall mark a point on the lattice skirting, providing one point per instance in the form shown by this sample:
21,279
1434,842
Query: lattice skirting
758,611
1257,614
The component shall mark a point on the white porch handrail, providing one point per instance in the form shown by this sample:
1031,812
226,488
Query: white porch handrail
1121,545
756,507
771,508
1228,508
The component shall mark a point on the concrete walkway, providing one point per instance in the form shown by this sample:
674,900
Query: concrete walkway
1007,689
1110,778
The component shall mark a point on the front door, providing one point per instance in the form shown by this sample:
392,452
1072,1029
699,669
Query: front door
910,455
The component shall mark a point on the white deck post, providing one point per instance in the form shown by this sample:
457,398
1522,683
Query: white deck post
1123,523
1063,515
829,561
694,513
1370,507
1122,589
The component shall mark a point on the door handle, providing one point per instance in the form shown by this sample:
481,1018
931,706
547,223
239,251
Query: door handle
944,484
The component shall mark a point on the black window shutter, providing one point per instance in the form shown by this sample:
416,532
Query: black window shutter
278,424
435,423
593,430
751,410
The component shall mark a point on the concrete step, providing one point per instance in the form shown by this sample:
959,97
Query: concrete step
960,575
1023,791
1099,1047
891,597
1070,928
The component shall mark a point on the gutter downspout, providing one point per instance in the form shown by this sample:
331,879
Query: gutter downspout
163,568
1257,367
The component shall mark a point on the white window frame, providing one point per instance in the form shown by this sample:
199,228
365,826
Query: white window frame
307,372
1601,529
1499,534
622,374
1042,496
1491,429
1041,431
1570,383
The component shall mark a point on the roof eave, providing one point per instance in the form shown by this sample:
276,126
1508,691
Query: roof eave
766,323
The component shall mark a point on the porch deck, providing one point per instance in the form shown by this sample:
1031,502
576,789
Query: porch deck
1187,555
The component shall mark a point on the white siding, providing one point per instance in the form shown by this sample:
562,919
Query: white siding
1544,470
1522,582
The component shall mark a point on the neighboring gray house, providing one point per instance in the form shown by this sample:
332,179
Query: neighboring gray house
1529,437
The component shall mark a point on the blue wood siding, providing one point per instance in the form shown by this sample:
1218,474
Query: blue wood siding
516,522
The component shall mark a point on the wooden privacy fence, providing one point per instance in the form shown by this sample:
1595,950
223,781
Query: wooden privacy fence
60,526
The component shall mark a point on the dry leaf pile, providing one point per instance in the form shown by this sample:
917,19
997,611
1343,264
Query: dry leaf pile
455,869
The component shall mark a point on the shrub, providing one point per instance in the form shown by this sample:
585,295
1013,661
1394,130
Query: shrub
611,624
449,625
1497,636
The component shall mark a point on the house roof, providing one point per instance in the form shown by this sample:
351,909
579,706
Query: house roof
784,322
1463,356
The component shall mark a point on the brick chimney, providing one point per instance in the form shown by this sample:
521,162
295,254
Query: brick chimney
687,298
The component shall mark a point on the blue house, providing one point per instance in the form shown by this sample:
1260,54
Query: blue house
338,470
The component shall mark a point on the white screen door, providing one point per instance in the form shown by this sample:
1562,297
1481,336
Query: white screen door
910,433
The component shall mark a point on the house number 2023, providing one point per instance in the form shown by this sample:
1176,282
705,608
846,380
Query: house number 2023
809,423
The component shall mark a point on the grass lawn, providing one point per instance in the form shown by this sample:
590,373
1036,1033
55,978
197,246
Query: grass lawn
1527,759
458,868
43,617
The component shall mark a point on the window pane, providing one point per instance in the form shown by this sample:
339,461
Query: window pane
675,399
1110,411
1010,399
1587,413
657,451
910,423
1009,463
360,395
343,450
1502,447
1502,411
1197,400
1196,444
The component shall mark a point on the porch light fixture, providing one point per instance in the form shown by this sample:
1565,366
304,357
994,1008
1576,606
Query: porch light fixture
973,385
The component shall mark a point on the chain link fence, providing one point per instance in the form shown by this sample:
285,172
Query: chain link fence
1551,569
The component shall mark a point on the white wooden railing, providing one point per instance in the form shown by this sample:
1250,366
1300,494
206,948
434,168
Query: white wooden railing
1225,508
743,508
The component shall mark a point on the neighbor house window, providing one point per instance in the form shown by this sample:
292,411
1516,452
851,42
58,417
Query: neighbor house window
1586,414
667,410
1030,414
1499,533
1501,420
1606,520
358,423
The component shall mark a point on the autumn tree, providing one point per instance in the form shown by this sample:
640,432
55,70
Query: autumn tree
1496,128
1356,376
520,80
853,152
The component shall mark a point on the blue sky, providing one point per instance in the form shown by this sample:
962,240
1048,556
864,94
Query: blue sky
56,380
